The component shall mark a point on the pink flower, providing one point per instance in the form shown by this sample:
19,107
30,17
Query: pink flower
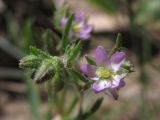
80,28
108,74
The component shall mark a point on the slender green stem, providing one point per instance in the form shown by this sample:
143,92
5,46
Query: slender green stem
81,103
62,100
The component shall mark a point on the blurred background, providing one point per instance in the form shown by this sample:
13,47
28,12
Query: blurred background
24,22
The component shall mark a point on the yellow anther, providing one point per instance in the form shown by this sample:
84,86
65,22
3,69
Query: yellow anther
103,72
76,27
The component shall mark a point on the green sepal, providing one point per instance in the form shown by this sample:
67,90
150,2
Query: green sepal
128,66
30,61
44,69
90,60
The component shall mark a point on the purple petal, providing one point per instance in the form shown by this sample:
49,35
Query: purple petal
115,83
117,59
88,70
118,80
80,16
84,36
63,21
101,55
121,84
87,29
101,85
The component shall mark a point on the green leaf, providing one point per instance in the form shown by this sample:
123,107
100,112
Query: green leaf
90,60
94,108
148,11
66,32
39,53
74,52
96,105
48,40
117,46
28,34
118,41
33,97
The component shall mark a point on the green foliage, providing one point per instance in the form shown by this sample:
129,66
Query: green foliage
118,41
47,36
28,34
148,10
46,67
91,111
96,105
12,28
66,33
34,97
73,53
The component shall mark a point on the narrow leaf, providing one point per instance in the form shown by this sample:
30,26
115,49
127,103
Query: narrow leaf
72,105
94,108
74,52
90,60
96,105
28,34
48,41
65,37
118,41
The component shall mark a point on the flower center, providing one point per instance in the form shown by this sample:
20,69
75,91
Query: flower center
103,73
76,27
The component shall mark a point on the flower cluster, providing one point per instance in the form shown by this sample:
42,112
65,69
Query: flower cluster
80,28
108,74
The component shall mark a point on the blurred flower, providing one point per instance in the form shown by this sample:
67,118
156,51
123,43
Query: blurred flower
108,74
80,28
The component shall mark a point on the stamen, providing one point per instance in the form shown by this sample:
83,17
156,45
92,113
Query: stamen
76,28
103,73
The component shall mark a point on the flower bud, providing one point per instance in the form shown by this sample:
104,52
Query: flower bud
44,71
30,61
